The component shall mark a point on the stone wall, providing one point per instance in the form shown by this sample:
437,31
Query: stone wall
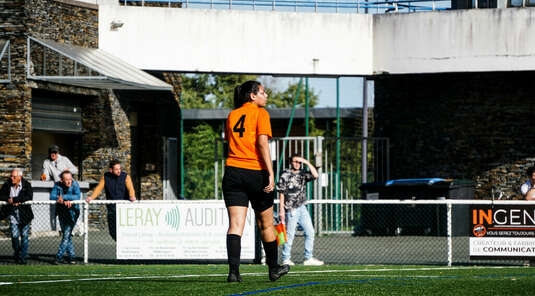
75,24
15,106
44,19
106,129
106,115
106,135
464,125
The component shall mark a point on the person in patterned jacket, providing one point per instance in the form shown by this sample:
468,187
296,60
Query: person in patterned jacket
293,210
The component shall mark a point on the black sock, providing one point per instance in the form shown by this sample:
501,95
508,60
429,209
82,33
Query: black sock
233,252
272,253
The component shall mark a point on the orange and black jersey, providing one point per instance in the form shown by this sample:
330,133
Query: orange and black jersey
242,128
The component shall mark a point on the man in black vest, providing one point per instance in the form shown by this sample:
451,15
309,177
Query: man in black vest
118,186
16,191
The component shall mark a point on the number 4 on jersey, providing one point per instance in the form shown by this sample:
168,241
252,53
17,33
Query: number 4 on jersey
238,127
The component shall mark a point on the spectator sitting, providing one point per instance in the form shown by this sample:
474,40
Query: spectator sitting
55,164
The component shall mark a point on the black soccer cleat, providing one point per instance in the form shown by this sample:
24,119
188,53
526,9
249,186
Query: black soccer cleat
278,271
234,277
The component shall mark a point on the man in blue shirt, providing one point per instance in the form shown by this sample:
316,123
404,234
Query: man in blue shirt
64,192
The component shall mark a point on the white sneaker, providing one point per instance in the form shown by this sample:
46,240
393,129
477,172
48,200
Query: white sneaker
288,262
313,261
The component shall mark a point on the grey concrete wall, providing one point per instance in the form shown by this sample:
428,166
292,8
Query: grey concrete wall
238,41
264,42
472,40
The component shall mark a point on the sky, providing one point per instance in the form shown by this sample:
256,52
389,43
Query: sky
350,89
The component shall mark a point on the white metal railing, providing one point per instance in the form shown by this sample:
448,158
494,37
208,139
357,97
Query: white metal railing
321,228
337,6
84,212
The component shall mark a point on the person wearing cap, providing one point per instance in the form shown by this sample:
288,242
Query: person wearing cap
55,164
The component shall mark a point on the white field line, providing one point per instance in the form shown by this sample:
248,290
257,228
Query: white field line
115,278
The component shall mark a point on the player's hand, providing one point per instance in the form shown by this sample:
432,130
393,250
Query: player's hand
133,198
67,204
301,160
88,199
282,216
271,184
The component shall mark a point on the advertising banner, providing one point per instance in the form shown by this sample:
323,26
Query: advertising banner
502,232
178,231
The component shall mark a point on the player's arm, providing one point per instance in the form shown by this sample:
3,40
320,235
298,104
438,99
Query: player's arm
263,147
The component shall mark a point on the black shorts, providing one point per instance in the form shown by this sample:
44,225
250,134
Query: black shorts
241,186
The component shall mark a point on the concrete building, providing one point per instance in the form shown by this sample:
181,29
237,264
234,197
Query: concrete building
59,88
453,88
324,118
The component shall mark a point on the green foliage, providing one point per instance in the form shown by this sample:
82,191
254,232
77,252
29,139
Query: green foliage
285,99
194,92
198,162
223,88
210,91
215,91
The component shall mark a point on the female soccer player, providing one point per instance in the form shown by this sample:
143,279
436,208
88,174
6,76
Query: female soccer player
249,177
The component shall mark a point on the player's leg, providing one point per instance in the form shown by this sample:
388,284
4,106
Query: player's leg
262,204
264,220
237,215
237,203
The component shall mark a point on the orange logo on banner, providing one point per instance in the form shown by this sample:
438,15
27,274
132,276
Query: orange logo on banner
479,230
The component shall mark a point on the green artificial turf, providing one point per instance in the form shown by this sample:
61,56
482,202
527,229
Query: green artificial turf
211,280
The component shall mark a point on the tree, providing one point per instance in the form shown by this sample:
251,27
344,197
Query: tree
223,88
199,162
217,91
285,99
213,91
210,91
194,92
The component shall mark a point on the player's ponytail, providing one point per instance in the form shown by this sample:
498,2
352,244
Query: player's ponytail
242,93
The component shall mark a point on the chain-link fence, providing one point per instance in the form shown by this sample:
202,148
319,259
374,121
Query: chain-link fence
347,232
